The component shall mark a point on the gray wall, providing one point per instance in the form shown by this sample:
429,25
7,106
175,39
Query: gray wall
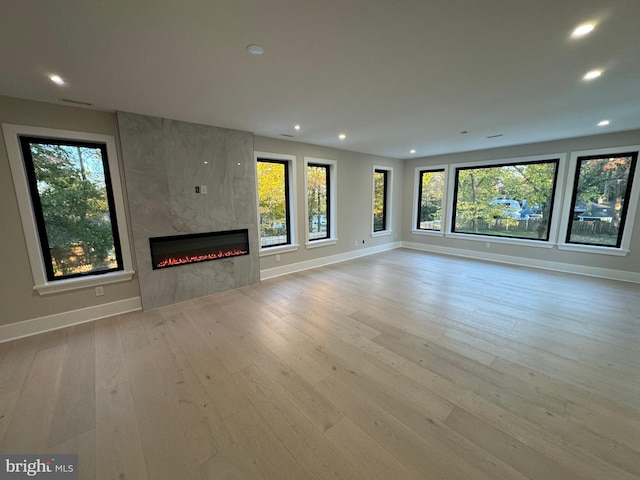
18,301
630,263
354,199
164,160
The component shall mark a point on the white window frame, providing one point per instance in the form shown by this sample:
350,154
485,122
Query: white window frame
333,194
557,201
292,204
567,207
41,284
388,201
444,223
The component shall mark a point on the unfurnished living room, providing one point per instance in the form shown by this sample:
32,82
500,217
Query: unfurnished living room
352,240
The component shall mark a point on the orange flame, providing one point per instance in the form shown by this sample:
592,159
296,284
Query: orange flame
169,262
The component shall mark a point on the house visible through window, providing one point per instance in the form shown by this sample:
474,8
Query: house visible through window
70,188
505,200
599,203
430,198
274,202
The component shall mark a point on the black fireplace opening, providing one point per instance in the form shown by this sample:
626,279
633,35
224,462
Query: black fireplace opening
198,247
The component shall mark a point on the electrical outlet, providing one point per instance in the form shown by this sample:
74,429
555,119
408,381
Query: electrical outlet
277,258
203,189
99,291
355,243
488,245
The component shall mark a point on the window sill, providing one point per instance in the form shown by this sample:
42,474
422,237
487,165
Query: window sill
381,233
84,282
435,233
321,243
505,240
267,251
595,249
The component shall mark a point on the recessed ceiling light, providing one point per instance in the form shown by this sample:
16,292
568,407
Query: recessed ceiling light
255,49
413,150
582,30
57,79
297,127
592,74
342,136
604,123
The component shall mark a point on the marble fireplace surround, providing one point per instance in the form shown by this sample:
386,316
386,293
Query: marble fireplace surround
163,162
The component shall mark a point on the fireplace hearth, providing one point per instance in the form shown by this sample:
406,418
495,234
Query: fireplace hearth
178,250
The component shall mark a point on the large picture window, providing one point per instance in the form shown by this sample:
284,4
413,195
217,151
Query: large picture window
70,190
381,199
599,202
431,188
505,200
274,202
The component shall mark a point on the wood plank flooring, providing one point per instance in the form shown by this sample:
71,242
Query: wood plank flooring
402,365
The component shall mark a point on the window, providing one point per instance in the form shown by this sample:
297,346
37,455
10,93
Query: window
72,202
318,197
71,206
381,199
431,188
512,200
320,180
274,202
601,208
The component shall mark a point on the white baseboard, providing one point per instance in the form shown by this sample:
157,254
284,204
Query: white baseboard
320,262
529,262
607,273
33,326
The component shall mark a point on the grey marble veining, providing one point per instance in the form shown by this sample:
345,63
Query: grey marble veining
163,162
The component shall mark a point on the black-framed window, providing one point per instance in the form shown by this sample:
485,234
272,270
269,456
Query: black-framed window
380,200
599,207
430,199
319,201
274,202
73,205
513,200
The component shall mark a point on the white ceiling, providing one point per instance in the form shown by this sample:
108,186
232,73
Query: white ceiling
392,75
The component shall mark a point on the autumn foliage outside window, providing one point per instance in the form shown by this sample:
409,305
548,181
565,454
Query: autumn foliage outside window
273,197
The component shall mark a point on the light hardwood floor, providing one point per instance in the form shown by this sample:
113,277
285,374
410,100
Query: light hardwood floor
403,365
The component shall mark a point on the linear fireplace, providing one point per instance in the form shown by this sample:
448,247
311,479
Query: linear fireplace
197,247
